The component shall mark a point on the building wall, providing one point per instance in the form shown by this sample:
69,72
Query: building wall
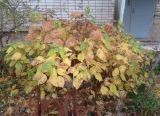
155,33
101,10
157,12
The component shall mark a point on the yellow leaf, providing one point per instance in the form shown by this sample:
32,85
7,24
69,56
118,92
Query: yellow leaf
127,87
89,55
122,68
125,60
70,70
61,71
51,58
101,55
67,61
124,46
42,80
113,89
29,86
115,72
9,111
97,67
75,72
67,49
98,76
69,54
77,82
106,82
40,58
140,59
132,85
104,90
21,45
93,70
81,57
57,81
9,50
67,78
16,56
37,76
37,60
87,73
117,81
123,77
43,94
146,74
83,75
119,57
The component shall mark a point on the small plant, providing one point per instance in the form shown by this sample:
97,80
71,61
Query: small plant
146,102
107,61
62,56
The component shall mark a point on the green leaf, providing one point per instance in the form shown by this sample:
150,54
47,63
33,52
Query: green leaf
62,53
51,53
28,89
31,73
31,52
102,29
14,92
113,89
93,20
18,70
47,67
87,10
57,24
29,86
21,45
37,45
18,65
83,46
107,41
10,49
35,16
120,26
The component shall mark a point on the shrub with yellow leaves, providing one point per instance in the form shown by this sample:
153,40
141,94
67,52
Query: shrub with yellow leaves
72,55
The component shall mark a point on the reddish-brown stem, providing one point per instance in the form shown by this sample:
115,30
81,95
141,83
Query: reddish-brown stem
74,103
39,101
